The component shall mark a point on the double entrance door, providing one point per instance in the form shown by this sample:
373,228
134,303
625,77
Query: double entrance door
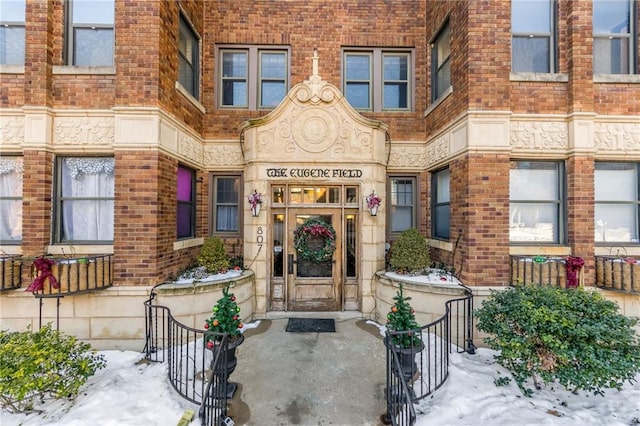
302,282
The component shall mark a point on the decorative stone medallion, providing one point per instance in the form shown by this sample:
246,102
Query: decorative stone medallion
314,130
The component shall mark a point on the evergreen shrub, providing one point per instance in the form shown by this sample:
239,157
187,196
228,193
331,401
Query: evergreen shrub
213,256
41,365
573,337
410,253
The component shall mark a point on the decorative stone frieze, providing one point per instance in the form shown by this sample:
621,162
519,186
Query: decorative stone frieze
617,136
83,130
190,148
408,156
222,155
539,135
11,130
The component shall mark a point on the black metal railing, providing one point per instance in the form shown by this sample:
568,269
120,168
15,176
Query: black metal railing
416,372
538,270
196,372
10,272
618,273
76,275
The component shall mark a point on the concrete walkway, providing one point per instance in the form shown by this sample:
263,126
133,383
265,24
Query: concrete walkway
310,378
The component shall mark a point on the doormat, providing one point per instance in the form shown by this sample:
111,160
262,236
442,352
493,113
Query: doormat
311,325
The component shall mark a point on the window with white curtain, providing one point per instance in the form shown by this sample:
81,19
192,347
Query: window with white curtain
617,203
85,199
614,36
226,204
533,36
536,202
11,200
402,211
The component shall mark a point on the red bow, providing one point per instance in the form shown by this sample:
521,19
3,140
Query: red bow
43,265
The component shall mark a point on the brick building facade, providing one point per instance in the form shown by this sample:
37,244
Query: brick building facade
440,107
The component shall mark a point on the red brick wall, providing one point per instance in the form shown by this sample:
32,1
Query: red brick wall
37,181
480,216
581,211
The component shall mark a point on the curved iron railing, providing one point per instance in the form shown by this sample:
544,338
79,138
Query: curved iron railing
414,373
198,374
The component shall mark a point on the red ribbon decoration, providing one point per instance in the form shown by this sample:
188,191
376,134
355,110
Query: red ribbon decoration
43,265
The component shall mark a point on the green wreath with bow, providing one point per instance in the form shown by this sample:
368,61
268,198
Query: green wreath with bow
311,229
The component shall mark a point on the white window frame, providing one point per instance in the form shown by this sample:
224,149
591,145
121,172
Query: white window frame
549,35
7,10
253,77
377,81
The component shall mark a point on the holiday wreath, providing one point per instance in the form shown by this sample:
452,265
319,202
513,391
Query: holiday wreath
312,229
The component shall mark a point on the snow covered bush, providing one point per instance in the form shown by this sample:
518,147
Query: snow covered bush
570,336
46,364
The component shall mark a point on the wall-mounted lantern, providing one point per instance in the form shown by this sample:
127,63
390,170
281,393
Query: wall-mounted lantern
373,202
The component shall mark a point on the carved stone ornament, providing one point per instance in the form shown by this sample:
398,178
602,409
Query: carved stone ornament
314,130
617,137
189,147
223,155
11,130
408,156
84,130
534,135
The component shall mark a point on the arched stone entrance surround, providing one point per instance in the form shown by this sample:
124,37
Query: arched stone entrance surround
314,139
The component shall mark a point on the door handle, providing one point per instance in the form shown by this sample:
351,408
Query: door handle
290,263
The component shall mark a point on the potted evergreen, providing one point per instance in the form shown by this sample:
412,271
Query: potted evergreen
410,253
404,334
225,320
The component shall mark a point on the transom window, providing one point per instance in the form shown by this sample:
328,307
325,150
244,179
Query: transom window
378,80
253,77
441,199
441,63
188,58
402,201
532,36
614,46
91,32
12,42
617,203
85,199
536,212
186,203
11,169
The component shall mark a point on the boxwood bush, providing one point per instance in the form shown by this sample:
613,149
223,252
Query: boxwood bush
41,365
573,337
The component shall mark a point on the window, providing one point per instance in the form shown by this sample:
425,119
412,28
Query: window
226,203
536,202
617,202
85,199
440,182
11,200
12,16
613,36
441,63
532,36
186,197
253,78
90,33
378,80
402,201
188,59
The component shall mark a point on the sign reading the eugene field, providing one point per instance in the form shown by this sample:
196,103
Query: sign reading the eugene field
314,173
